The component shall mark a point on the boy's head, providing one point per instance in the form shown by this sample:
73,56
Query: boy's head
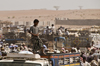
36,21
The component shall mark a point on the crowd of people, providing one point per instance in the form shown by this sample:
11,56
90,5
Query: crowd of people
87,58
58,31
91,57
13,48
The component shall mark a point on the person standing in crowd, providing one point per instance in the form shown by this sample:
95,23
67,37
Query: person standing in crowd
94,62
78,50
3,52
63,50
34,31
59,32
44,50
44,31
84,62
7,49
75,48
90,57
47,32
53,28
66,33
23,47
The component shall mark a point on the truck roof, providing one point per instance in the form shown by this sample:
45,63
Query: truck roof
26,61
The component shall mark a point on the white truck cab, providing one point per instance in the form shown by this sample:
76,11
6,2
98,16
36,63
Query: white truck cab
24,60
23,63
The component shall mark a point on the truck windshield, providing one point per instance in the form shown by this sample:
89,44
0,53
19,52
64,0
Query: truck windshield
18,64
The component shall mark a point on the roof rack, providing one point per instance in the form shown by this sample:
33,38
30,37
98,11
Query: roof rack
22,56
19,60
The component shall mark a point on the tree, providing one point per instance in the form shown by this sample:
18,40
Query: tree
56,7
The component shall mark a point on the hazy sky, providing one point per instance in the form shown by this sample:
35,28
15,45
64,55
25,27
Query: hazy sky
48,4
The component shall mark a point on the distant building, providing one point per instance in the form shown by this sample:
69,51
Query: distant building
5,24
82,22
30,23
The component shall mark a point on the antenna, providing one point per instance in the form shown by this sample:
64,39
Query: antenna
80,7
56,7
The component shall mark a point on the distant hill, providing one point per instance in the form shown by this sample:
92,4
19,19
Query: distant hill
49,15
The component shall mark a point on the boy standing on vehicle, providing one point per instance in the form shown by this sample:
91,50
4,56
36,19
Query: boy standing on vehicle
34,31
